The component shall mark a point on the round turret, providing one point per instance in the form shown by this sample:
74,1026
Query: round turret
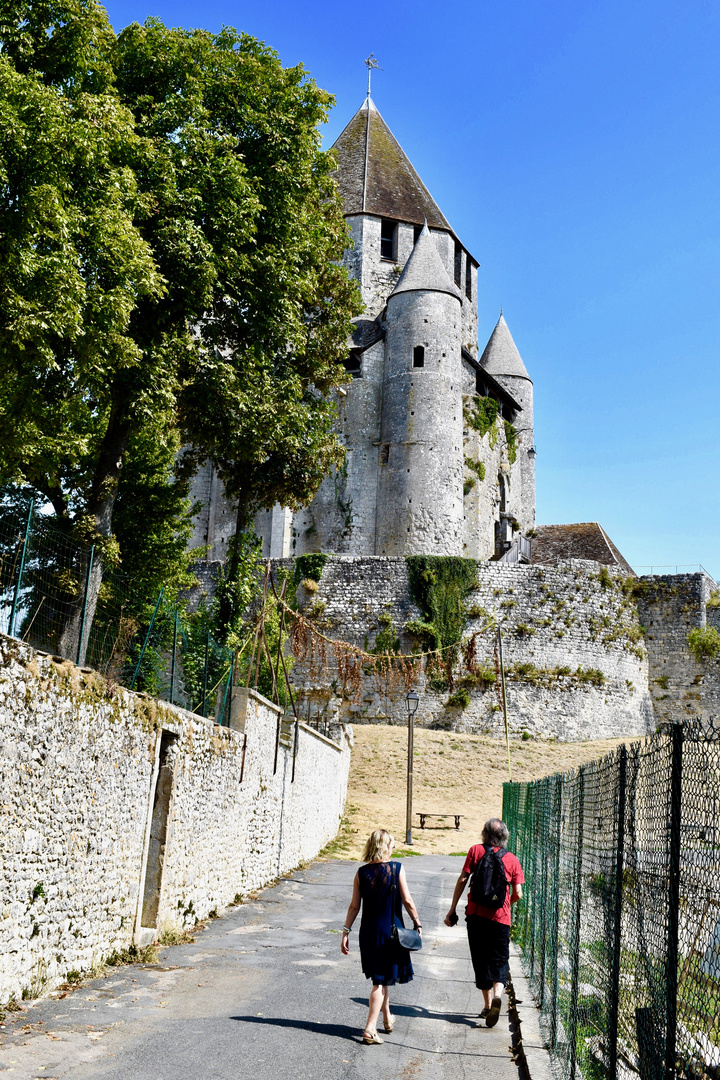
502,360
420,484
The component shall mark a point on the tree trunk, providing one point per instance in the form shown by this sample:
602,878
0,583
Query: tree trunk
225,606
100,509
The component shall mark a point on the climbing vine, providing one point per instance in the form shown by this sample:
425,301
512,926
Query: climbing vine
309,567
482,414
476,466
439,585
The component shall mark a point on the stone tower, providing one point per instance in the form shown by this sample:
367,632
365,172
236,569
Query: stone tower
439,444
420,478
503,362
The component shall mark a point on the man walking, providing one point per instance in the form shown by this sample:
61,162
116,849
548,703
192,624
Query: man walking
497,880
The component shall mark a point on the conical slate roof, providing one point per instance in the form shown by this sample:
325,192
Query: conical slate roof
424,270
374,175
501,356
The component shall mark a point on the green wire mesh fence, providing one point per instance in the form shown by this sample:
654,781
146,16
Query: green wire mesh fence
620,923
50,598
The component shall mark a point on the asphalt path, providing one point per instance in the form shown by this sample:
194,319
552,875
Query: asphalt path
264,992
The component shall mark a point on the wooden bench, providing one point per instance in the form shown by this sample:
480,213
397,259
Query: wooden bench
424,817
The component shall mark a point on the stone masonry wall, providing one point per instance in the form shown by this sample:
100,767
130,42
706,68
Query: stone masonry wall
78,772
670,607
573,648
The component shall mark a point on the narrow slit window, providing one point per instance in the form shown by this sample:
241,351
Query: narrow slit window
388,236
385,454
419,356
458,263
468,277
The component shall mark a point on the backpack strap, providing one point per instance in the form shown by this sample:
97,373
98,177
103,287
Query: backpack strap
500,851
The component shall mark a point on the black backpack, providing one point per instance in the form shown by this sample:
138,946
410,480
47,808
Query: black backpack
489,883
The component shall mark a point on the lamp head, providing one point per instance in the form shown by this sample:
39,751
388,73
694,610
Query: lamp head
412,701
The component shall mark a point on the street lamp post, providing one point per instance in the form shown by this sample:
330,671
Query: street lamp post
411,701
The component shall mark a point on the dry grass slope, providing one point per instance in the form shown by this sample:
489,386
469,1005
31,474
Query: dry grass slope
456,774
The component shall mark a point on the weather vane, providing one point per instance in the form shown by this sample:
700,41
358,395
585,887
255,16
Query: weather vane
372,65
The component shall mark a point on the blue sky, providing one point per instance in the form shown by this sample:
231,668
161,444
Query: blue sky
575,150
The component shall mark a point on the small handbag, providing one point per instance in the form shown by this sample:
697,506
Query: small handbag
406,936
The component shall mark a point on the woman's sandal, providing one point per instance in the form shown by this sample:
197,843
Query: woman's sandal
371,1037
388,1028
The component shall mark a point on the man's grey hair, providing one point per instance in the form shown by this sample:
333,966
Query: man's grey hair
495,833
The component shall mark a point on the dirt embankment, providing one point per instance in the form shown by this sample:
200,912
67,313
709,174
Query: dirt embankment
453,774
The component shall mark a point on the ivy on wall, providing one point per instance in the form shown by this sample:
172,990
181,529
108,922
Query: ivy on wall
309,566
482,414
439,585
511,436
476,466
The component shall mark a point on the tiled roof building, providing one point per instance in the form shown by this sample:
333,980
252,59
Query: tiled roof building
587,540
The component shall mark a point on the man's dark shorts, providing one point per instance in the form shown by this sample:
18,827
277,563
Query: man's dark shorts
489,949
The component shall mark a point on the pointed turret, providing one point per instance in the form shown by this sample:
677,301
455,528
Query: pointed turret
374,175
502,360
501,356
424,270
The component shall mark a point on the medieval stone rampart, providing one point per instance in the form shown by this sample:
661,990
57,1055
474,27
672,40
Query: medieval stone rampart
573,647
590,652
670,607
121,816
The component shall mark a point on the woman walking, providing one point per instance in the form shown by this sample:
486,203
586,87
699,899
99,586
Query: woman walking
381,889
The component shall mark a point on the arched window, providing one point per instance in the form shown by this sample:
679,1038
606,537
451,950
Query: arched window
419,356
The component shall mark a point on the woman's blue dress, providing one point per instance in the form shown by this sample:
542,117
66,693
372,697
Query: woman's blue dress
383,959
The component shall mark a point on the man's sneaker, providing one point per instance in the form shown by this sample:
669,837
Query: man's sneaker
493,1013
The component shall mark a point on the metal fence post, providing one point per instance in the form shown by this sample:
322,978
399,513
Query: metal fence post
228,684
675,839
147,638
543,895
617,916
91,557
18,583
574,990
557,810
205,673
174,654
530,920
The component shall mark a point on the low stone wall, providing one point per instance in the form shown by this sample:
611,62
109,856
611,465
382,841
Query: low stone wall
121,816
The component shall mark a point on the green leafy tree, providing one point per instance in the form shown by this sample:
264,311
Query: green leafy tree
251,230
169,274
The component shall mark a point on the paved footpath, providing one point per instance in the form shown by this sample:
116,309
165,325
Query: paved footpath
264,992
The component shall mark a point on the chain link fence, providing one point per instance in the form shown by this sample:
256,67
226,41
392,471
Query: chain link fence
620,923
47,598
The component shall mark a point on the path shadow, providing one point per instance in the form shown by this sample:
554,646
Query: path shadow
417,1011
339,1031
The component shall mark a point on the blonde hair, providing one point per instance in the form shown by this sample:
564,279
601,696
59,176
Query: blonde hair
378,846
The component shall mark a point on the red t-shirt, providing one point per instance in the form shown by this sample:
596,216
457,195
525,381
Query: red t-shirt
514,874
